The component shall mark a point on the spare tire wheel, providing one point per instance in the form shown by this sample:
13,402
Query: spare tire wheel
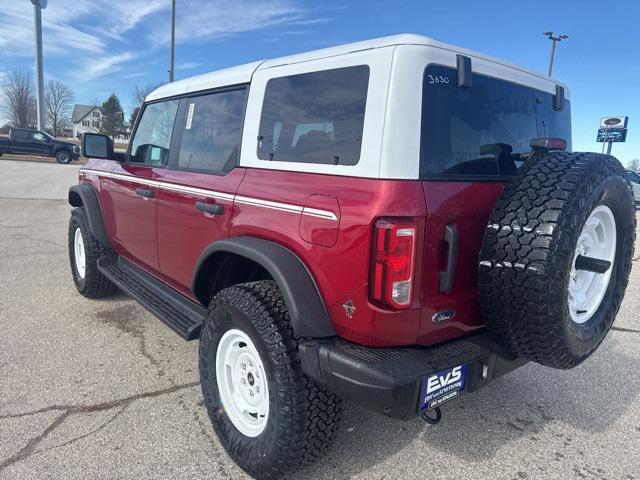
556,257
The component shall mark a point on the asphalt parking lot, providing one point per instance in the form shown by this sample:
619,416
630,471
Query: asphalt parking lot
101,389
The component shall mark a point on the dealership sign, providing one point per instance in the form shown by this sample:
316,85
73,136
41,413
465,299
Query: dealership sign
612,134
613,129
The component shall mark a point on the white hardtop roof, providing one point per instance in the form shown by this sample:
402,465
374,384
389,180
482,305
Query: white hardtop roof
243,73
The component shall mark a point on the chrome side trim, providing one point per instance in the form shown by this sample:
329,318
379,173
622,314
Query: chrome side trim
283,207
197,191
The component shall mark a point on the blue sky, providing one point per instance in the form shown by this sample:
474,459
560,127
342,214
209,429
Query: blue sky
98,47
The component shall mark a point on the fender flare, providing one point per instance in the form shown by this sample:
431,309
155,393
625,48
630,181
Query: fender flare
309,316
85,195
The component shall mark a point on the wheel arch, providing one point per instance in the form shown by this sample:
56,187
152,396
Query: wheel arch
85,196
257,259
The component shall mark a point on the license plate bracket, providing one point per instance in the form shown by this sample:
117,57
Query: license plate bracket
440,387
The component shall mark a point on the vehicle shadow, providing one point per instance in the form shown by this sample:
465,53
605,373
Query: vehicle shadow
522,404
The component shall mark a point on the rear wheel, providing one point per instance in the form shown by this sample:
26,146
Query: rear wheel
556,257
268,415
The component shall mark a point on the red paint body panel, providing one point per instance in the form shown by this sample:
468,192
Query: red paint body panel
133,218
183,231
337,251
341,272
467,205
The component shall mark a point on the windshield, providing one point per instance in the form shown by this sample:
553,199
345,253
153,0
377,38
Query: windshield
485,130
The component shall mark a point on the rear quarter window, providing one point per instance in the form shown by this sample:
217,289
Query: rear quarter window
314,117
483,131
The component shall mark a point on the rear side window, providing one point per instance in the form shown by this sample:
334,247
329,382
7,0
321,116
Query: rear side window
633,176
315,117
150,144
21,135
485,130
212,131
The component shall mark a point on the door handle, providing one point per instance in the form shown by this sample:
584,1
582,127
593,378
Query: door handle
448,276
143,192
212,208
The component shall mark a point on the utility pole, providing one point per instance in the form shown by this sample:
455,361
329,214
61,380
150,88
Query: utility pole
554,41
173,40
38,6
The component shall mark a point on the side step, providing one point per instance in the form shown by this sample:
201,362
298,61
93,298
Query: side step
179,313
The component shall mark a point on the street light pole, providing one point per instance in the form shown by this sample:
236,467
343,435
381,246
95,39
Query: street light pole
554,41
38,5
173,40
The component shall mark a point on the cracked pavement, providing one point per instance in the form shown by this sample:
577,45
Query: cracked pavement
102,389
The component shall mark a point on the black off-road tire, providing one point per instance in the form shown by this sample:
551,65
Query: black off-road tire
529,249
94,284
64,157
303,418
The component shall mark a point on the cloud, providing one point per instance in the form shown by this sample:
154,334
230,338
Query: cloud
188,65
222,19
101,65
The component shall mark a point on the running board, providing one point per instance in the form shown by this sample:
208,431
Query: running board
179,313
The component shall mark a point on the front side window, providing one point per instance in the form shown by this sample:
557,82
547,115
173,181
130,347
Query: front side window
212,131
152,139
39,137
315,117
633,176
485,130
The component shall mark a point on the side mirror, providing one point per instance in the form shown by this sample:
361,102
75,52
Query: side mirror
97,146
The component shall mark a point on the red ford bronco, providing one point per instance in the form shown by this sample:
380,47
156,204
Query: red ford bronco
394,222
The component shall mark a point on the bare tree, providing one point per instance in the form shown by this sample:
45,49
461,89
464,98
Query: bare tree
140,93
18,100
634,164
58,100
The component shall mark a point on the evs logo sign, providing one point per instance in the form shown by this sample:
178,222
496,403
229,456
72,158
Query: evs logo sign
442,386
440,380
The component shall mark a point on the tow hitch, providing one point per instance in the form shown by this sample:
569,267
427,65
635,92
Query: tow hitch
432,417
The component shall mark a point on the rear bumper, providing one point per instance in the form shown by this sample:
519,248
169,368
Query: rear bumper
388,380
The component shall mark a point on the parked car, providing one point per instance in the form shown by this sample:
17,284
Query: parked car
25,141
376,222
634,178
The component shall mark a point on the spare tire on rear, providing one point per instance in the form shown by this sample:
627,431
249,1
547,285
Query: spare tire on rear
556,257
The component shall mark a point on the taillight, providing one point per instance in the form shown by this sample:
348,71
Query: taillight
393,252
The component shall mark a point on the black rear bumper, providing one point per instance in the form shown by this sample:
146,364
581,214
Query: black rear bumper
388,380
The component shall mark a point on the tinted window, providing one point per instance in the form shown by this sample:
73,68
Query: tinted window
212,131
20,135
153,136
633,176
484,130
315,117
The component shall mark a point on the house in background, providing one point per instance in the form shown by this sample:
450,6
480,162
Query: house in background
86,119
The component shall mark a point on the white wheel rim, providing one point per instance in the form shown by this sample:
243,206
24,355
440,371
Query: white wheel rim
242,383
78,250
597,240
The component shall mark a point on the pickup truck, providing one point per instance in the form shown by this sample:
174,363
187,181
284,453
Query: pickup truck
23,141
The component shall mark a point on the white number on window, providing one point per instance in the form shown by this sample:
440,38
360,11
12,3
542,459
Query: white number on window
437,79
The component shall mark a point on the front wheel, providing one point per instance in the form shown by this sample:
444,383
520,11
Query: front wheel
84,252
268,415
63,157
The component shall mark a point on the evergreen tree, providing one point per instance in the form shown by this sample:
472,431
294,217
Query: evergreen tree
112,123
